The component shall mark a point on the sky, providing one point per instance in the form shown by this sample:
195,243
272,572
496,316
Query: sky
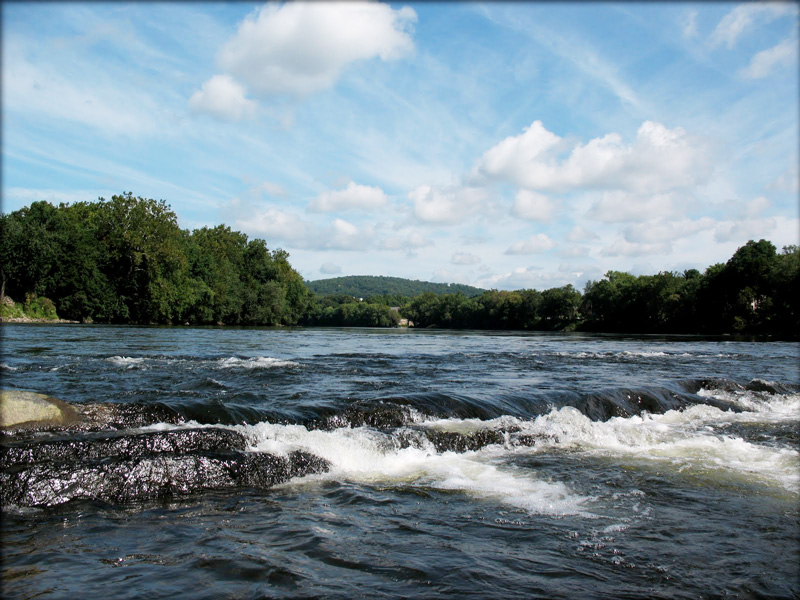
501,145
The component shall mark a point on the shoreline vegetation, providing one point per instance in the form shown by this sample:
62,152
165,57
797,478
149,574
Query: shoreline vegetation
126,261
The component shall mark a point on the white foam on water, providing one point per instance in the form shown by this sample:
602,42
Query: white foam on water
628,354
365,455
126,361
257,362
758,406
7,367
685,439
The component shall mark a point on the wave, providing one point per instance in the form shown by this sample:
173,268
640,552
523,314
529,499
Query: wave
258,362
126,361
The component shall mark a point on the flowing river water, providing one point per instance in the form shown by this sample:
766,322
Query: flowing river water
340,463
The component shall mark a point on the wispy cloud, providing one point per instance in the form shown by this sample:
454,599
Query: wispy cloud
762,64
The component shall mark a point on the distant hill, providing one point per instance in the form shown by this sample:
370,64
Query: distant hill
364,286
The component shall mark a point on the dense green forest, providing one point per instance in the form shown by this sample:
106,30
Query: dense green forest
366,286
756,292
125,260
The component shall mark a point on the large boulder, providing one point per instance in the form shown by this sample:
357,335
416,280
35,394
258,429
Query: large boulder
28,409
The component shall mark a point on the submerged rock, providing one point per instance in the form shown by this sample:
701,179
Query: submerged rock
29,409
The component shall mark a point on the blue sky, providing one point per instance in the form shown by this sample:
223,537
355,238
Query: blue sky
519,145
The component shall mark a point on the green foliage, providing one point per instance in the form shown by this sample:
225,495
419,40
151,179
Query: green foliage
125,260
368,286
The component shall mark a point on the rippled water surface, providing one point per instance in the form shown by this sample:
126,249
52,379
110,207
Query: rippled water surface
250,463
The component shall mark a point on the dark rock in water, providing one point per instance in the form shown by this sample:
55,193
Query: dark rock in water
126,468
125,416
759,385
117,445
453,441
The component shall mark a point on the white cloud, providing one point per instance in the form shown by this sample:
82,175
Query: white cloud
533,245
408,241
275,223
784,53
618,207
734,24
755,207
299,48
625,248
271,189
574,251
690,24
464,258
533,207
665,230
446,205
223,98
743,230
354,196
788,181
343,235
660,159
579,234
527,278
330,269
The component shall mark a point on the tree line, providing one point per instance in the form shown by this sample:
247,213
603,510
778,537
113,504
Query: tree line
755,292
125,260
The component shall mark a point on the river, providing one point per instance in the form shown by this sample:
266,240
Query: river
340,463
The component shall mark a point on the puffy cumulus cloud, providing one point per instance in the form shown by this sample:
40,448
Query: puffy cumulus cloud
276,223
329,268
343,235
354,196
223,98
409,240
533,207
299,48
660,159
524,159
533,245
620,207
743,230
742,17
464,258
622,247
574,251
446,205
762,64
665,230
755,207
579,234
530,278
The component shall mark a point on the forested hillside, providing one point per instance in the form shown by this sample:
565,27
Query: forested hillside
125,260
366,286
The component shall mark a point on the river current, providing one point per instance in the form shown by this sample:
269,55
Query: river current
340,463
